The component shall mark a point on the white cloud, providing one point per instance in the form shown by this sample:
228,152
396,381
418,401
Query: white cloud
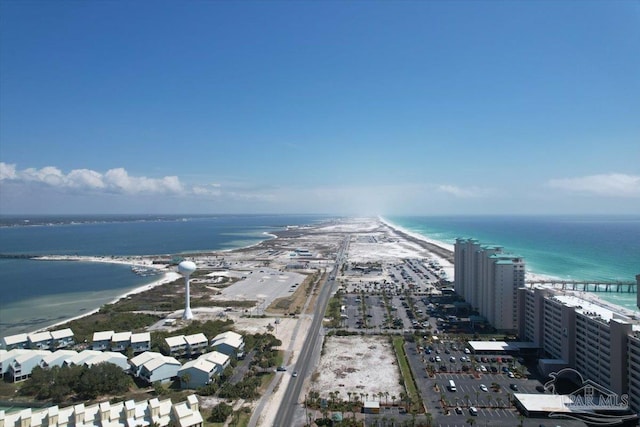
460,192
203,190
114,180
85,178
613,185
7,171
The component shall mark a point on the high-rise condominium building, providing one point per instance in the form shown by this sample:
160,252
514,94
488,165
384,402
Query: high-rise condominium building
488,279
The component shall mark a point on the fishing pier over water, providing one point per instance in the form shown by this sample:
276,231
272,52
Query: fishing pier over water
586,286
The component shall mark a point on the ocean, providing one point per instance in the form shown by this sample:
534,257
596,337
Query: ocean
36,294
598,248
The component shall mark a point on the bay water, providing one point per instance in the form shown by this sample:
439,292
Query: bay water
36,294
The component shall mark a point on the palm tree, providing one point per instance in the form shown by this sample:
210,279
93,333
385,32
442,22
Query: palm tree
471,421
386,397
393,399
429,418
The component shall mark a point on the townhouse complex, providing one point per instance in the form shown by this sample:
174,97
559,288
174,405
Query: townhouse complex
161,413
20,354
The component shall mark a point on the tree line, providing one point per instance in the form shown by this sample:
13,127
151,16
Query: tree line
76,382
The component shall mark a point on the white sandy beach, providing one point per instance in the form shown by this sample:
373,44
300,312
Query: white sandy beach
395,248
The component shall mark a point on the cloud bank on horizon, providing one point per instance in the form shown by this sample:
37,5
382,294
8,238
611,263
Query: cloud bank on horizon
50,183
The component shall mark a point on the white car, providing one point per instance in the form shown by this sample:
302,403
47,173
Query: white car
483,387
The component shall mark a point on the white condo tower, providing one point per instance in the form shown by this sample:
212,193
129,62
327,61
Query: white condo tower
186,268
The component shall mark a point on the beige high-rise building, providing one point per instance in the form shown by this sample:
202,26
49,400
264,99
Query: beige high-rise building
488,279
597,339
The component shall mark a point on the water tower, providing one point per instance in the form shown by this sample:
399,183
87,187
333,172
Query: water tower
186,268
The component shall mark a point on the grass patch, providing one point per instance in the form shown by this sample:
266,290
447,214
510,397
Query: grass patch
315,293
105,320
294,302
407,376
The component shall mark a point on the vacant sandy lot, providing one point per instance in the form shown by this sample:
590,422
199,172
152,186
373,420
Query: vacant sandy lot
358,364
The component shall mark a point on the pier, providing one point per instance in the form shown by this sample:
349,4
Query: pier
586,286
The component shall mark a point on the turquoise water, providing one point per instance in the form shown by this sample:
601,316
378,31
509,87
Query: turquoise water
42,293
605,248
47,292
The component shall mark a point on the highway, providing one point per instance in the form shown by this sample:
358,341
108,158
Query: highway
311,348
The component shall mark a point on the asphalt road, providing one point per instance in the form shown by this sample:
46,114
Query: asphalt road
311,348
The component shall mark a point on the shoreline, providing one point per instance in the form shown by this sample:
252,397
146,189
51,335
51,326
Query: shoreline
135,261
441,251
428,243
166,278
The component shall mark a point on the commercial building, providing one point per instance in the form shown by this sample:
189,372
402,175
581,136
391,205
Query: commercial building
488,279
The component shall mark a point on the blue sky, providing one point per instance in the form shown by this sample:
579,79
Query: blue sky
361,107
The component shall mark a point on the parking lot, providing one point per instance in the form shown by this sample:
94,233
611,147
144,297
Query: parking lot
394,301
489,393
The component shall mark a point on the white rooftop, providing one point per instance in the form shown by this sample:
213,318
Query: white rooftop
140,337
39,336
175,341
216,357
597,308
62,333
160,361
15,339
143,358
196,339
497,346
102,336
121,336
544,402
